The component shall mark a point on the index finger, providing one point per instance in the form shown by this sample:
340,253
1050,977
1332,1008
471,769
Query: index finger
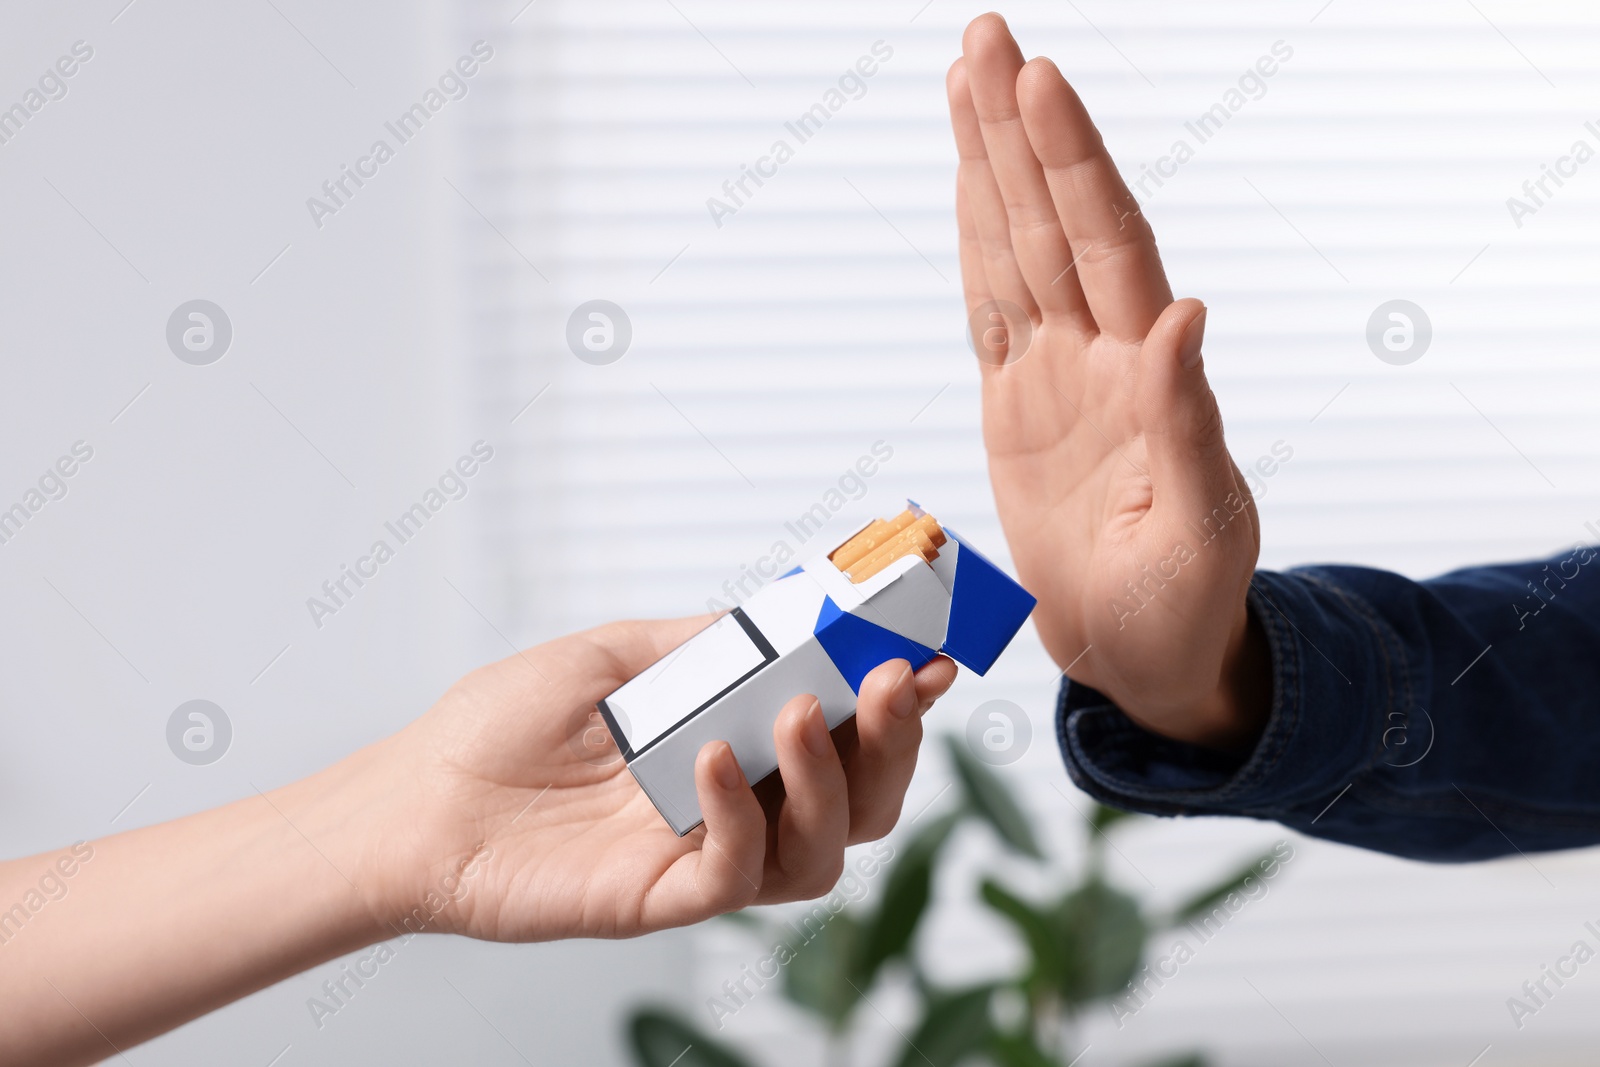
1118,265
983,105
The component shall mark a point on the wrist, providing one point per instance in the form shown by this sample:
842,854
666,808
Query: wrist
412,844
350,813
1220,699
1236,714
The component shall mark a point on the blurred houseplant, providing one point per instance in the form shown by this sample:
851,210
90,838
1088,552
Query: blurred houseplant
1083,946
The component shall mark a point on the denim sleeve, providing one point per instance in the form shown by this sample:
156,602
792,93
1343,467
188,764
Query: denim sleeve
1452,719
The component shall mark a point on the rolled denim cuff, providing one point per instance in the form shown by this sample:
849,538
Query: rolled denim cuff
1337,671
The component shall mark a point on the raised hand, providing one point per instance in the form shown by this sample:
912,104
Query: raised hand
1124,512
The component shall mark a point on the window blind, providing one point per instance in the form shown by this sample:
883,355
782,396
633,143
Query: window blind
779,337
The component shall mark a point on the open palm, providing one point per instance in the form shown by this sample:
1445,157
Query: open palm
1124,512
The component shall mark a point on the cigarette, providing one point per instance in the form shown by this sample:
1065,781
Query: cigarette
911,541
914,538
930,529
862,543
874,537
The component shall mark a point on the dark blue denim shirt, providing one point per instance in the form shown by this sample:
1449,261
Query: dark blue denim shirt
1452,719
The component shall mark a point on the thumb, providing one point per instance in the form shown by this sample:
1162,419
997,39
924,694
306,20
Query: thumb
1191,473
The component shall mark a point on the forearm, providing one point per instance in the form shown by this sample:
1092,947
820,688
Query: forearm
156,926
1394,724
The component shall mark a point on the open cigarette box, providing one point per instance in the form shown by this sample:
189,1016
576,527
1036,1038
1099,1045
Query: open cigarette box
902,588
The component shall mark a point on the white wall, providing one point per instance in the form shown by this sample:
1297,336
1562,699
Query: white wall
191,540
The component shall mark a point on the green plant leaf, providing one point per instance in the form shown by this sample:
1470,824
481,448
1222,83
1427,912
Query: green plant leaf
1207,899
819,975
1044,942
1103,934
954,1025
990,799
661,1038
906,893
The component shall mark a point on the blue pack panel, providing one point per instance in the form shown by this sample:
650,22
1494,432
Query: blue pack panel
856,645
987,608
790,573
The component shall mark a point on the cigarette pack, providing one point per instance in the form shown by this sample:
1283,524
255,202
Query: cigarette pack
904,588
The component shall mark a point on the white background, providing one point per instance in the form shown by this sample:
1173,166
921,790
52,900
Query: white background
768,355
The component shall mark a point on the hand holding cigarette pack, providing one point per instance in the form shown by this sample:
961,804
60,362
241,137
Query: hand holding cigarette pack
902,588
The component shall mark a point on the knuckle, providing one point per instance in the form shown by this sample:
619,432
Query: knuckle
877,824
817,879
822,882
737,894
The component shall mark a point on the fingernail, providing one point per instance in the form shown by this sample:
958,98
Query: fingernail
727,770
814,731
904,702
1189,347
